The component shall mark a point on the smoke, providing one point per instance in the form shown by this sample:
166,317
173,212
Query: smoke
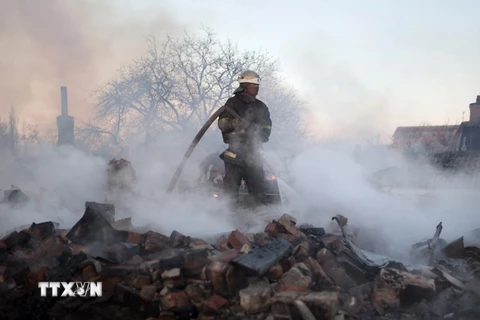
80,44
331,181
319,182
341,104
59,181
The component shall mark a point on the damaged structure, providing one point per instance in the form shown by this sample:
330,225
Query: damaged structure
285,272
65,122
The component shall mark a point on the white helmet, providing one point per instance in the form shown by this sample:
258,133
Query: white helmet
249,76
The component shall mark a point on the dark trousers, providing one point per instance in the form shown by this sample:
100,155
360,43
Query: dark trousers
254,179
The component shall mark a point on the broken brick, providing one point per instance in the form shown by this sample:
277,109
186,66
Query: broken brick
222,243
213,304
297,279
16,239
335,270
195,242
262,238
173,277
246,248
178,276
164,260
289,237
178,240
56,245
318,273
147,292
194,262
135,260
37,275
88,272
289,226
76,249
140,280
323,305
287,217
302,251
117,271
134,237
123,224
128,297
255,297
236,279
395,288
109,284
3,247
333,242
272,230
3,270
236,239
250,236
196,294
174,299
215,273
275,272
154,242
226,256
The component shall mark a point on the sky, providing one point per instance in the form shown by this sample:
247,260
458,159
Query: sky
361,65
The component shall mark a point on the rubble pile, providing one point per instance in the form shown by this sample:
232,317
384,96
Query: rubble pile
285,272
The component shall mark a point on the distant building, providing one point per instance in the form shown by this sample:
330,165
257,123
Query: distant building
460,137
429,138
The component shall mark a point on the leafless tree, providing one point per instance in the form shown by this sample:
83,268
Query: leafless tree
14,138
13,130
178,84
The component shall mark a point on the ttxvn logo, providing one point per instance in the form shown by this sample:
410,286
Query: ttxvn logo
71,289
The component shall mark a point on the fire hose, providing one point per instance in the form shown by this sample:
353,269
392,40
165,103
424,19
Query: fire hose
194,143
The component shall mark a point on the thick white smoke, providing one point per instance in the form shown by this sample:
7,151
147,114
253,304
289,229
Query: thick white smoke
321,181
332,182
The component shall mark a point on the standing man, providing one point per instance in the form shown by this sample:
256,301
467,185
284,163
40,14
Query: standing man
245,136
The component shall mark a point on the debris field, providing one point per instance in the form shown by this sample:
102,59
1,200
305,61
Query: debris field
286,272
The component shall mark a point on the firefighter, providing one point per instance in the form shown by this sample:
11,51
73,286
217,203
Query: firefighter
245,137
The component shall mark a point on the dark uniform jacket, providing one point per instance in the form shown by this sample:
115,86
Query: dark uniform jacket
247,137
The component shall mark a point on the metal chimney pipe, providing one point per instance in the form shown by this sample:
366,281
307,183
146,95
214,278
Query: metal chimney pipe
64,101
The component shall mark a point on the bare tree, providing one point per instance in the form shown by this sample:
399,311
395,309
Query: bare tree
13,130
178,84
15,138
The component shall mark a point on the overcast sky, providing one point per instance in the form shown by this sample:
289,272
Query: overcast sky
360,64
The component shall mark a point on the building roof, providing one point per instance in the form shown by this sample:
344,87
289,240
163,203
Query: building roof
419,131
